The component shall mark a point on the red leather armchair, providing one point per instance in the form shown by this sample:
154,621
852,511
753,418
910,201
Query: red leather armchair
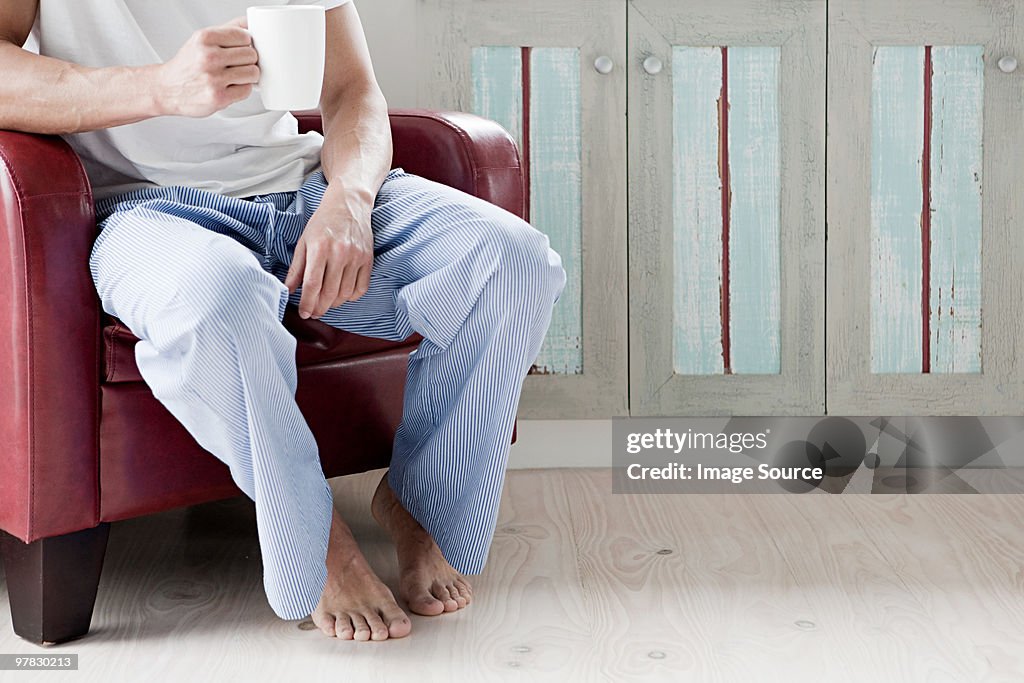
85,443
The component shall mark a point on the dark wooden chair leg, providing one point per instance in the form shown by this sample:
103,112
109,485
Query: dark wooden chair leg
52,583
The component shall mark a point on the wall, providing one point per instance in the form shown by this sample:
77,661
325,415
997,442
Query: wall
561,443
390,27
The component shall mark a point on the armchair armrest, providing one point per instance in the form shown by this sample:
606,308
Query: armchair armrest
49,351
461,150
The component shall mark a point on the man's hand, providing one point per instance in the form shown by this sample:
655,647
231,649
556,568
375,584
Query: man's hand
334,256
214,69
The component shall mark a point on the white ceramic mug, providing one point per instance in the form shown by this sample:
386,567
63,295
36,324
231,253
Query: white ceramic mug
290,40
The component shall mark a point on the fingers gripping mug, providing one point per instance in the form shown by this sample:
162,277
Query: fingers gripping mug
290,41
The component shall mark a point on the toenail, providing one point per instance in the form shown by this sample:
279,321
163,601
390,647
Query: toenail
307,626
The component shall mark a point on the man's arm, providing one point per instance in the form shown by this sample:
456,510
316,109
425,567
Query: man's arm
216,67
334,256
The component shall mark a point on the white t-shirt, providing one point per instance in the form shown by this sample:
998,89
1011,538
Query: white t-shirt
240,151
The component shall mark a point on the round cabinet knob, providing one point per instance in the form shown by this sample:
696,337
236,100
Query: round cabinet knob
604,65
1007,64
652,65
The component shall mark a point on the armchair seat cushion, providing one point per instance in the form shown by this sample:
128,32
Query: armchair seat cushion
318,343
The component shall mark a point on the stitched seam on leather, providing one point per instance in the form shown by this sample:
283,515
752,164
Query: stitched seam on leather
69,193
99,415
466,148
111,356
97,319
364,354
9,166
518,167
317,364
20,189
30,388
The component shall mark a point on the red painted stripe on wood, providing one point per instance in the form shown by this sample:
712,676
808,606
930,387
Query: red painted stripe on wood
525,59
723,171
926,218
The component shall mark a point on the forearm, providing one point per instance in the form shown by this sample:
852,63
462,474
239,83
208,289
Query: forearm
356,154
45,95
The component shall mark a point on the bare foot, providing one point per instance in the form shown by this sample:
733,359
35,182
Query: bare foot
428,584
355,605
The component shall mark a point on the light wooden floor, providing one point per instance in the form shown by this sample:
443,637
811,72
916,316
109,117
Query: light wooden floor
584,585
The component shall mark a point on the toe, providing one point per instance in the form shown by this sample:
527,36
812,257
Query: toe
440,592
343,627
378,629
457,596
326,624
362,629
397,621
464,590
422,602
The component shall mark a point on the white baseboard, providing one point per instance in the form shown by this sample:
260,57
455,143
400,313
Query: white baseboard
588,443
562,443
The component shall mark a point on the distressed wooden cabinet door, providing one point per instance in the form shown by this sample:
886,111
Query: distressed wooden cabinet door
530,65
925,145
726,207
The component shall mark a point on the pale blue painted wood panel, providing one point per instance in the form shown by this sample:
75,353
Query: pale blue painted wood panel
498,87
897,142
696,211
556,176
956,174
755,213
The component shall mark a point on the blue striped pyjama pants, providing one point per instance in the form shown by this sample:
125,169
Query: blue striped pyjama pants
198,277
